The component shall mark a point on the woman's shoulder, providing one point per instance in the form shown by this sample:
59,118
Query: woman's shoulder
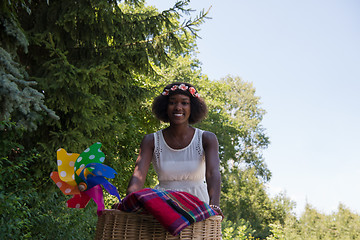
149,136
208,138
208,135
148,140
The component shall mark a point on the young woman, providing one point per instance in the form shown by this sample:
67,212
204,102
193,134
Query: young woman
185,158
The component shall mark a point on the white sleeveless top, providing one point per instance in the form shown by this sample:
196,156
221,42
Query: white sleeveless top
181,169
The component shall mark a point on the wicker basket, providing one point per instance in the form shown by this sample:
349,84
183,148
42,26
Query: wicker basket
115,224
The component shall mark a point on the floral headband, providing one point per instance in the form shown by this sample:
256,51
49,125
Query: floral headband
183,87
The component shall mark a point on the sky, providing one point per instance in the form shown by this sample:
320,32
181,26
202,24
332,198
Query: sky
303,58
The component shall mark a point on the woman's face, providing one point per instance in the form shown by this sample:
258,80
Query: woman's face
179,109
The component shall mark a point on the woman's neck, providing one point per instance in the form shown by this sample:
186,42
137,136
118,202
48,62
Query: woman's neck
179,130
178,136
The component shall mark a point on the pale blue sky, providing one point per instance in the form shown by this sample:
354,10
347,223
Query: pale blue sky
303,58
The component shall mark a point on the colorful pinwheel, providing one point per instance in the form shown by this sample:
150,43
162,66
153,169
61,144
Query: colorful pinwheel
81,175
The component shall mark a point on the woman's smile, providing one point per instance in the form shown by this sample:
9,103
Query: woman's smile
179,108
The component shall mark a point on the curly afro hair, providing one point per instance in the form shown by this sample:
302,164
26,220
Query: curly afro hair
198,106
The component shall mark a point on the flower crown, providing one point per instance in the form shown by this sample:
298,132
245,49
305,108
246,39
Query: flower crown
183,87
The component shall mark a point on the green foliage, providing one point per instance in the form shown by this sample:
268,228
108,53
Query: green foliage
239,230
244,192
27,212
313,225
87,59
92,61
277,232
340,225
235,116
19,100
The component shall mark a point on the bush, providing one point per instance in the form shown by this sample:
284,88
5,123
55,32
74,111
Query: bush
31,206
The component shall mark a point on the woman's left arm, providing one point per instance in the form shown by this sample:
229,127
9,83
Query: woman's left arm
213,177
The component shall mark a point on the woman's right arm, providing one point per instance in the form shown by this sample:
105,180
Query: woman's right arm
142,164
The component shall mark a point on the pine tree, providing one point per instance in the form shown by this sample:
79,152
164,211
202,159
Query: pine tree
20,102
90,59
